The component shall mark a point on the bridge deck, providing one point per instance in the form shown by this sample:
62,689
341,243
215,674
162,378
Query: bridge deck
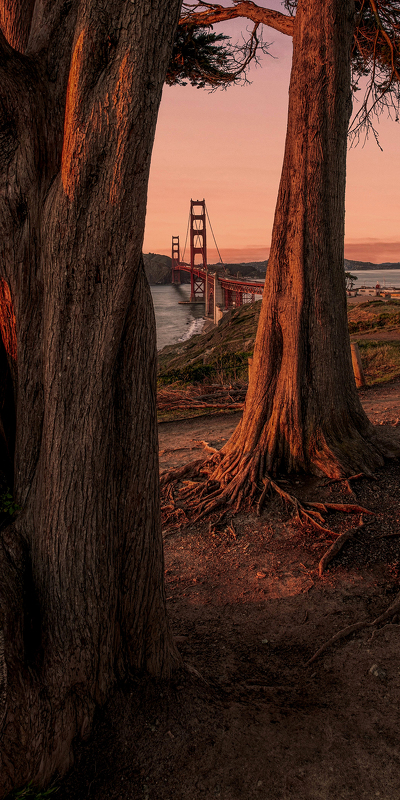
227,282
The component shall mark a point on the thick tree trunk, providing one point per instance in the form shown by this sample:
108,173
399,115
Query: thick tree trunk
82,600
302,411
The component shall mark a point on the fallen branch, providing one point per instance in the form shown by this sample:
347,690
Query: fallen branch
206,446
357,626
196,406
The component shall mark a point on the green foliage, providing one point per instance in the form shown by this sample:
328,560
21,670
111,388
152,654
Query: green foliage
350,280
30,793
7,503
200,58
192,373
226,367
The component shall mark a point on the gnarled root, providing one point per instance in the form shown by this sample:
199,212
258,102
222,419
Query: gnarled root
235,480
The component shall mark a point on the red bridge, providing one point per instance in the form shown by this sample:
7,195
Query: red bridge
216,289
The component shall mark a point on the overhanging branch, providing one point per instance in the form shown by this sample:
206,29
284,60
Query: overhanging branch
376,58
213,13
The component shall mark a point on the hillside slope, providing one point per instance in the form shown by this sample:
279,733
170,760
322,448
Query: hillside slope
220,355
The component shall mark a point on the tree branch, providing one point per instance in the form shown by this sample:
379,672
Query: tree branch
376,55
388,40
245,8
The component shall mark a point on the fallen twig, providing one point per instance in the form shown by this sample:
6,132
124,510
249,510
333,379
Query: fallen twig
357,626
193,671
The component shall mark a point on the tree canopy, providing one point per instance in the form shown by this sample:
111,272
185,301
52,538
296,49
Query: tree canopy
206,59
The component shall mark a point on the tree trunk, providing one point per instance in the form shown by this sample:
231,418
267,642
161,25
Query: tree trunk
82,601
302,411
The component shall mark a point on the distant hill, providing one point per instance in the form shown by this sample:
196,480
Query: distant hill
158,268
359,265
251,269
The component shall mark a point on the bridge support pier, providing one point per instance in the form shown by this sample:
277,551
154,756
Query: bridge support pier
218,299
176,273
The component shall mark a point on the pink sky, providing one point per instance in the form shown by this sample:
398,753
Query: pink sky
227,147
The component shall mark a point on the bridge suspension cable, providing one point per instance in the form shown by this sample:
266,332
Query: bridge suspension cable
215,241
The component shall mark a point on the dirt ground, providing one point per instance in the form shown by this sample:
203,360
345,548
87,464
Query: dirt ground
248,717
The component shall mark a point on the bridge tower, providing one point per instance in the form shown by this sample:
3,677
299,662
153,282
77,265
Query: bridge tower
198,246
176,273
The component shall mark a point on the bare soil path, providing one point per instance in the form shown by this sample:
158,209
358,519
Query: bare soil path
181,441
247,719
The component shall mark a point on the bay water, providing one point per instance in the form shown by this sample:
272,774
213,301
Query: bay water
387,278
177,319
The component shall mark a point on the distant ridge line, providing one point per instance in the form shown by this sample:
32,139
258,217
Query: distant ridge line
158,268
369,265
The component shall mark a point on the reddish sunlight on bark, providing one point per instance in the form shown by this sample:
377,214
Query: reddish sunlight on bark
15,21
7,320
73,135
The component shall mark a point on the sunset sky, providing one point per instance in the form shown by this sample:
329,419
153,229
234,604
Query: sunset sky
227,147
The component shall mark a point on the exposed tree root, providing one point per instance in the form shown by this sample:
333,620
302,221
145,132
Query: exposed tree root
174,475
346,481
336,547
391,611
235,480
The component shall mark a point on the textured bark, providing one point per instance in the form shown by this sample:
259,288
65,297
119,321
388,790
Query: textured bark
82,601
302,411
245,8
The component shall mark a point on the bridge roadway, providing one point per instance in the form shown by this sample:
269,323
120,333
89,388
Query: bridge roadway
218,292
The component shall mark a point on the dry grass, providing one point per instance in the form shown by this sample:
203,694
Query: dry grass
380,360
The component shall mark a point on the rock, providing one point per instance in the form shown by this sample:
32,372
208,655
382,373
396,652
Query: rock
377,672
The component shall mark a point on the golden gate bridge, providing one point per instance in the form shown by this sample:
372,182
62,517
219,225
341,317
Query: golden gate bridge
217,290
